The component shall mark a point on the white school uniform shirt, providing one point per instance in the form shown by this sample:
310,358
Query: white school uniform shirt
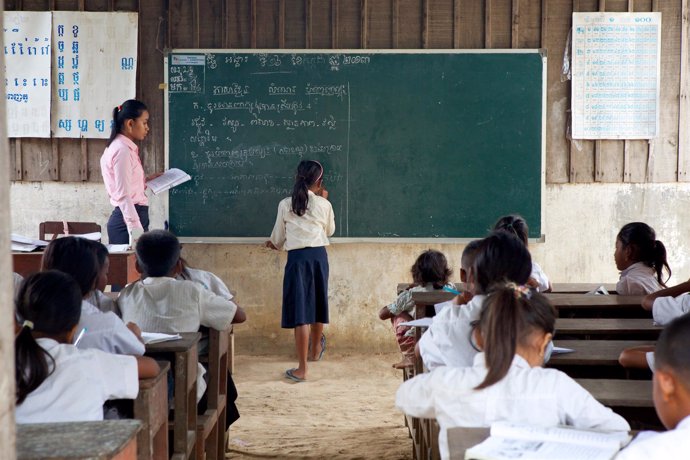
106,332
447,341
531,395
669,445
666,309
638,279
101,301
310,230
81,382
17,279
208,280
164,304
540,277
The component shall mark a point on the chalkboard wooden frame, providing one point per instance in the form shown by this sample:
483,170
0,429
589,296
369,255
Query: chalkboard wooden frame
385,239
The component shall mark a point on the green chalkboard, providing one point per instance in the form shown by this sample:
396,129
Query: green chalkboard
414,144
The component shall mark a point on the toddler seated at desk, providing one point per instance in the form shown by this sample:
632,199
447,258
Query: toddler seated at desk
58,382
430,272
671,388
506,381
160,303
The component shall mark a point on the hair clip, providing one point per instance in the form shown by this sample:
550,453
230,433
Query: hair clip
520,291
119,108
28,324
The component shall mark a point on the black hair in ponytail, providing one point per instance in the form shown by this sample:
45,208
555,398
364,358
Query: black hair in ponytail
501,258
75,256
309,172
129,110
510,315
514,224
50,303
646,248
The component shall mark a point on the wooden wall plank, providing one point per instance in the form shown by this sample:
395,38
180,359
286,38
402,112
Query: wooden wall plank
126,5
94,152
267,24
38,162
210,23
321,29
97,5
556,24
471,24
69,159
529,28
153,39
380,24
182,31
349,24
663,161
15,159
500,23
295,24
684,115
239,31
582,151
440,20
410,24
515,24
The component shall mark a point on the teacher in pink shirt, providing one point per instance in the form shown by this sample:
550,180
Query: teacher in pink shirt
123,173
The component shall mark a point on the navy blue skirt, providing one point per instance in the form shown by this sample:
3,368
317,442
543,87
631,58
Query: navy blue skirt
305,287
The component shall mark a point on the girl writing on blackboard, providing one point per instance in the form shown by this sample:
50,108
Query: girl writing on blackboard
304,222
123,174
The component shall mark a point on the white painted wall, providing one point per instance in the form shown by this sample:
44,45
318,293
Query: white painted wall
580,224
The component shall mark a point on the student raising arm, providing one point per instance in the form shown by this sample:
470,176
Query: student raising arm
506,382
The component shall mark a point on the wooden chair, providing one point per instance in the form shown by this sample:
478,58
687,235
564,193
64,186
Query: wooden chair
151,407
210,427
57,228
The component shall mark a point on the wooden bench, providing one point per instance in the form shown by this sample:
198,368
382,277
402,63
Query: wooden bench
183,354
607,328
598,306
106,440
151,407
580,288
210,428
597,359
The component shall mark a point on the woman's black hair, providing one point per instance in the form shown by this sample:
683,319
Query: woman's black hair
510,315
129,110
308,173
74,256
101,253
501,258
514,224
431,267
646,248
48,302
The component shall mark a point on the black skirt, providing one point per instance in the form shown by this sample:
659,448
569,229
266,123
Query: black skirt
305,287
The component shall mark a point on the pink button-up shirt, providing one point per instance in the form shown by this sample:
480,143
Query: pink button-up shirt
124,178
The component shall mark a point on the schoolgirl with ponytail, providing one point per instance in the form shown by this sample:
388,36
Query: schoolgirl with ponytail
56,381
123,173
304,222
641,258
506,381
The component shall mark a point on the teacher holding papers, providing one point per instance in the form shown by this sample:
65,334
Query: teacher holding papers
123,173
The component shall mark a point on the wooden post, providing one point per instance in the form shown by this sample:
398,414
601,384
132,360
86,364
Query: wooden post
8,433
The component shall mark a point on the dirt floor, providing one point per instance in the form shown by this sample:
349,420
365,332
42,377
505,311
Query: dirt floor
346,410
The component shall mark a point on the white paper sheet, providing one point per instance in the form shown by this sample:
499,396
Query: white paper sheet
26,38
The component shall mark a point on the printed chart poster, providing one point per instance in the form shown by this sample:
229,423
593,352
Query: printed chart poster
26,38
94,70
616,75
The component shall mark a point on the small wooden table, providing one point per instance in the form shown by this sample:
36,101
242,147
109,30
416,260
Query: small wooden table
184,361
598,306
151,407
580,288
122,266
620,328
594,352
106,440
620,393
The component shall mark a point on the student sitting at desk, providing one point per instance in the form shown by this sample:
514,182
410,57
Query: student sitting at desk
500,257
160,303
56,381
430,272
97,297
105,331
671,389
506,382
641,258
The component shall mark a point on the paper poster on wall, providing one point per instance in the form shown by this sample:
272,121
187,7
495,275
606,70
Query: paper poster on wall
616,75
94,70
26,38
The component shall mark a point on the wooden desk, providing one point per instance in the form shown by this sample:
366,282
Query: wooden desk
402,286
460,439
598,306
151,407
184,357
122,269
620,393
580,288
602,328
597,359
106,440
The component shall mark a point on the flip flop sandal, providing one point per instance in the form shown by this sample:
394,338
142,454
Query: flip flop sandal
323,348
290,375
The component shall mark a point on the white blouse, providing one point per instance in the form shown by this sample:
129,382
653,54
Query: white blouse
669,445
310,230
638,279
666,309
532,395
